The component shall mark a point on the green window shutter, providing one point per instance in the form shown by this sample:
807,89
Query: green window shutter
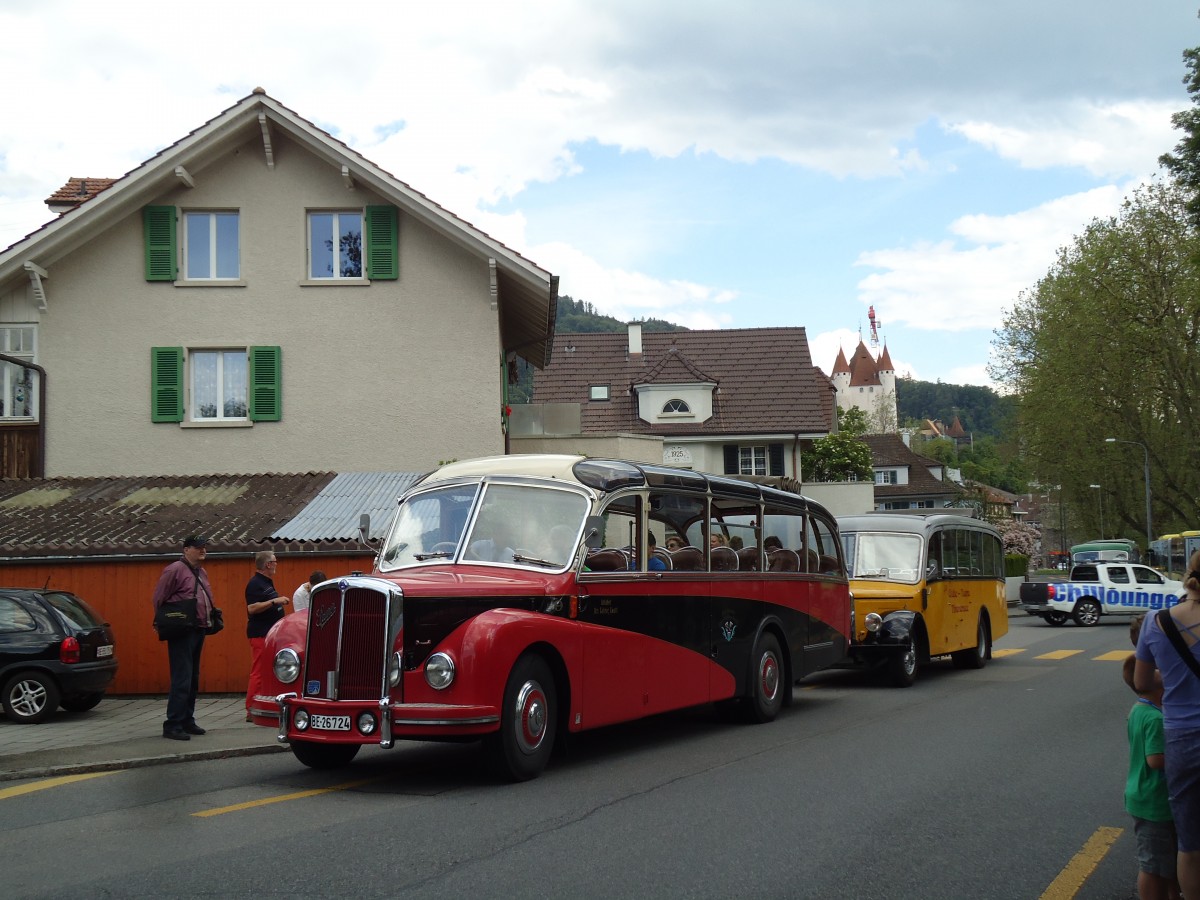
158,229
266,384
166,384
383,243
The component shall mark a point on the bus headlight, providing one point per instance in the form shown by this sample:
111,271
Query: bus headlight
300,720
873,622
287,665
439,671
394,670
366,722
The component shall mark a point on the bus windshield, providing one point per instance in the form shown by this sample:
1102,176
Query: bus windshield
889,557
513,525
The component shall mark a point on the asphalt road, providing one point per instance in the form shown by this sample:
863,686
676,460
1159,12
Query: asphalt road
1000,783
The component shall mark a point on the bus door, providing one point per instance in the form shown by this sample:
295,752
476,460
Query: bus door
735,587
943,599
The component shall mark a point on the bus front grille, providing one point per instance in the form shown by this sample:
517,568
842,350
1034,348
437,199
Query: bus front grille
346,655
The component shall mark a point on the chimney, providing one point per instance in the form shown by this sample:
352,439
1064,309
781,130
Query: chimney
635,338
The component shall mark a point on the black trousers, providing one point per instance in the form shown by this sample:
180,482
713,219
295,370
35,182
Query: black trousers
183,654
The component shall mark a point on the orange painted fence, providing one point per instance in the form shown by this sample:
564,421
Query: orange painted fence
122,590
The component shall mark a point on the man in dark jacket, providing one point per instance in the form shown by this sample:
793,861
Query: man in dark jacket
264,607
184,582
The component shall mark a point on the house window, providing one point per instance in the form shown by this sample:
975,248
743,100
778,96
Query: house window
886,476
752,460
599,392
219,385
18,385
676,407
335,243
211,246
222,385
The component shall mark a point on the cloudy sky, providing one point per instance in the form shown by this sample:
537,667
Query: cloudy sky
717,164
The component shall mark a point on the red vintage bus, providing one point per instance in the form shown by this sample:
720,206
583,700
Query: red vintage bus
516,598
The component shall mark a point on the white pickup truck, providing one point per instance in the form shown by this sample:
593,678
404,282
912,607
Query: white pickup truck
1100,589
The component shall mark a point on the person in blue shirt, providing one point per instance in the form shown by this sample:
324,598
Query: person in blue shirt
653,563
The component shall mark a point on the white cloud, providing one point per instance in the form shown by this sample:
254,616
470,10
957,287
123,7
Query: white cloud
966,284
1108,140
631,295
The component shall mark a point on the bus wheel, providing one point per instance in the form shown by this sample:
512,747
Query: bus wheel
975,657
324,756
769,681
902,668
1087,612
521,748
1056,618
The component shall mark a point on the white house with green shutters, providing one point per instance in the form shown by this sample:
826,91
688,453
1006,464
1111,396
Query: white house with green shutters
258,297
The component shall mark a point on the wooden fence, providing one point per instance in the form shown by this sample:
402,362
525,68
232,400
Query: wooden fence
122,590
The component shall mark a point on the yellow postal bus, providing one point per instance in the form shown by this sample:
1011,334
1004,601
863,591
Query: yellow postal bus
924,585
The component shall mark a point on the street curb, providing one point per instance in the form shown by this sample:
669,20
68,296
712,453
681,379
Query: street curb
137,763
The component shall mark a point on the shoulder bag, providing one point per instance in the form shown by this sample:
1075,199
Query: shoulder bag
174,620
1171,630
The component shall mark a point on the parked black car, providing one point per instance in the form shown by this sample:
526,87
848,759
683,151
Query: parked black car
54,649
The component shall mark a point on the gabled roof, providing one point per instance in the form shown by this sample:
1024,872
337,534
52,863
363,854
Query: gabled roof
139,516
889,450
528,294
676,368
766,381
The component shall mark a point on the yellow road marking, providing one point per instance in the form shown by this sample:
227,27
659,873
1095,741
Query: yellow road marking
1058,654
1082,864
48,783
299,795
1113,656
1007,651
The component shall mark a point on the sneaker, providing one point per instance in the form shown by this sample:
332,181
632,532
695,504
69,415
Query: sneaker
194,729
177,736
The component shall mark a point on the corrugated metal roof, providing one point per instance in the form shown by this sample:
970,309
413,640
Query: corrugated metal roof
334,513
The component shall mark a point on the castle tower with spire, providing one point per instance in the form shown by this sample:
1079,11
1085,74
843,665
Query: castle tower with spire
869,384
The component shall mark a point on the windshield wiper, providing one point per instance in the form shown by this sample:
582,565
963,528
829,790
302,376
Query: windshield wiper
521,557
437,554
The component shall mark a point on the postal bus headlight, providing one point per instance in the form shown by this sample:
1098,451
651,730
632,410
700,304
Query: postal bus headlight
873,622
287,665
300,720
366,723
394,670
439,671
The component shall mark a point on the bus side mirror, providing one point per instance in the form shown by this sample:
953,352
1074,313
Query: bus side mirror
364,529
593,532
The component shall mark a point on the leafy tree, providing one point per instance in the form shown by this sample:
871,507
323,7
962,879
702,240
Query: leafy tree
840,456
1107,344
1184,163
852,421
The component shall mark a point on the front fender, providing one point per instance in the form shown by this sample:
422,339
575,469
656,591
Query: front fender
897,630
486,647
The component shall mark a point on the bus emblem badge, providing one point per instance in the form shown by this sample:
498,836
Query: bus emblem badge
727,629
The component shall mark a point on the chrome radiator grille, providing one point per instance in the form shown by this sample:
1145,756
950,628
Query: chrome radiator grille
347,643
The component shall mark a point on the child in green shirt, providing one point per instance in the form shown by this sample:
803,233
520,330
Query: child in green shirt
1146,795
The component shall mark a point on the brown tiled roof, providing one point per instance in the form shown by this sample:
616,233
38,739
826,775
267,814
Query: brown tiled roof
863,370
76,191
885,361
956,429
889,450
765,376
151,515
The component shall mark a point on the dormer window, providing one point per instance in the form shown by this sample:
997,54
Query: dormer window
599,392
676,407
